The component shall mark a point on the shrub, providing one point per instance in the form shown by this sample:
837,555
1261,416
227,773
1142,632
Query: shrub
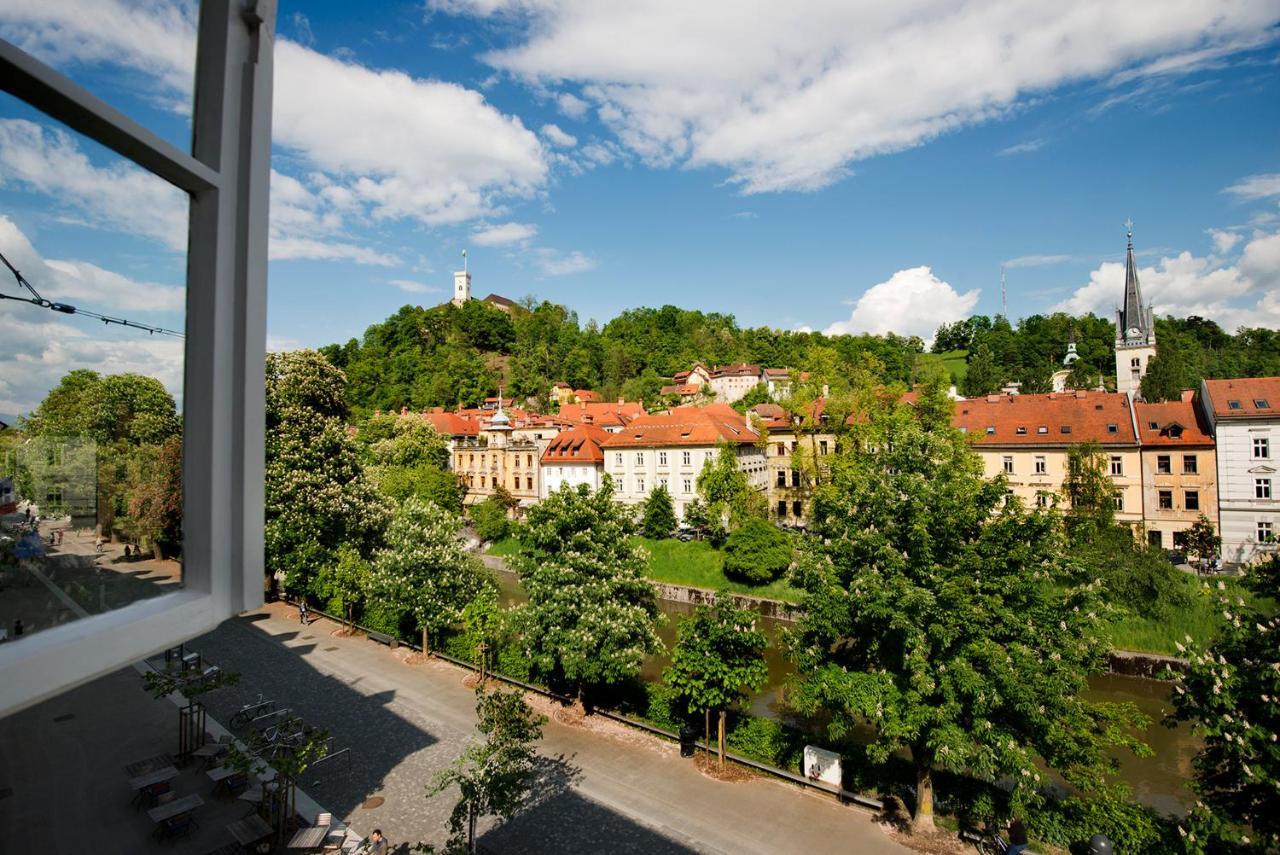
659,518
757,552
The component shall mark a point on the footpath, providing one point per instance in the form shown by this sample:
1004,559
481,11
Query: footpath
602,789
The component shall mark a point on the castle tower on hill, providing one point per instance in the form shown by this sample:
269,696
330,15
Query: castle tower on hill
1135,329
462,283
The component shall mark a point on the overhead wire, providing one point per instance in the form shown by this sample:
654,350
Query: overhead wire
67,309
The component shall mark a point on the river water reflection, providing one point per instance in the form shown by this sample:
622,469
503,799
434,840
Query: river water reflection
1159,781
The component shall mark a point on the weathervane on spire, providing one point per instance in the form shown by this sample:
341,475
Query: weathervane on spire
1128,229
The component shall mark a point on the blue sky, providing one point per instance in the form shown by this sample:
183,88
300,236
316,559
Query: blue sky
828,165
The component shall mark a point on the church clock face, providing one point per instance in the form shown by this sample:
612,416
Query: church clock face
1134,332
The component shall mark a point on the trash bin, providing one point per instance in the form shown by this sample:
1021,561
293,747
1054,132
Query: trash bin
1099,845
688,740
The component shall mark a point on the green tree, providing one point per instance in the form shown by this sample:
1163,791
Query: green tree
719,654
154,495
726,490
757,394
949,618
984,375
1083,376
591,615
1202,539
342,585
1090,491
317,494
757,552
697,516
425,569
659,514
404,456
493,777
489,519
1231,692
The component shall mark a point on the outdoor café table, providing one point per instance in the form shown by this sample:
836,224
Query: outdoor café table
168,773
151,764
310,838
177,807
249,830
221,773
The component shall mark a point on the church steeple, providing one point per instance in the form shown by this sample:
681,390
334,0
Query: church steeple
1135,328
1134,322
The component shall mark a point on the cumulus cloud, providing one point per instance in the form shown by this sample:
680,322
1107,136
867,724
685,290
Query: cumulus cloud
116,196
399,146
410,286
1224,241
1256,186
571,105
1243,293
504,234
37,346
558,137
553,262
789,96
910,302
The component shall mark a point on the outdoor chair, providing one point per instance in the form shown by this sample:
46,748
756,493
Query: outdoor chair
148,796
178,826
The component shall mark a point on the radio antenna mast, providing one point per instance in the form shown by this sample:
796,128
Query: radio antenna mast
1004,298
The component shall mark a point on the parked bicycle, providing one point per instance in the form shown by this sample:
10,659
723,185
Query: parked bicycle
249,712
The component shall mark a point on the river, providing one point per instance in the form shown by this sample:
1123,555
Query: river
1159,781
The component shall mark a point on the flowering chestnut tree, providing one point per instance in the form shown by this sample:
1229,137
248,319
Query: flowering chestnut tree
425,567
591,615
949,617
1231,691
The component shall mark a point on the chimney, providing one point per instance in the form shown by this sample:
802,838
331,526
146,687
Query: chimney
1188,395
621,401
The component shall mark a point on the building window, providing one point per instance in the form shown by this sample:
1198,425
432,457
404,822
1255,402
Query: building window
617,459
639,485
1164,464
1007,462
528,483
617,486
795,478
1233,405
1261,404
822,447
1262,488
1117,465
1135,363
662,482
782,477
528,461
797,509
1041,465
1066,428
1119,501
782,508
1264,531
1261,448
991,429
662,458
1020,431
688,486
1166,500
781,449
1189,466
1042,429
1042,501
1154,538
687,459
482,479
1191,500
639,458
1113,428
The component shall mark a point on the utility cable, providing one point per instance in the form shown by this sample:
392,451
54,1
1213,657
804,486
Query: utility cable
67,309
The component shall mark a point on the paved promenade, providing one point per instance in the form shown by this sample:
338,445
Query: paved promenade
624,793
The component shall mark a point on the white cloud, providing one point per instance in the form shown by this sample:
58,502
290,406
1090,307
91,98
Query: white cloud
409,286
1224,241
789,96
1256,186
288,248
558,137
910,302
571,105
1186,284
1036,260
504,234
399,146
37,347
1022,148
117,197
553,262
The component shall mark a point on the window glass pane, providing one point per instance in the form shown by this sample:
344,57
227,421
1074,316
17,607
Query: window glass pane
91,369
137,55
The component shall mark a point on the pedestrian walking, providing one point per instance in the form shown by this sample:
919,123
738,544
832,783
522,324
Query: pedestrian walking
18,628
60,533
302,612
97,545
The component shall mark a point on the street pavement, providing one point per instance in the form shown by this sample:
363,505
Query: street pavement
620,792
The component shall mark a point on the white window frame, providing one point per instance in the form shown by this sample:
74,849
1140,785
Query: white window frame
1006,464
687,459
1261,444
1117,466
1262,488
662,458
1042,464
226,177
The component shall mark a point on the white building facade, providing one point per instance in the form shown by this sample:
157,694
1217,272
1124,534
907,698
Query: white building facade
573,458
1244,416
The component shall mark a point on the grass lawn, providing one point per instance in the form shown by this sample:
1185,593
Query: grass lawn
1200,620
699,564
695,563
952,361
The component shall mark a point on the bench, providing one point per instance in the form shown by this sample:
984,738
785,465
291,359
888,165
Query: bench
383,638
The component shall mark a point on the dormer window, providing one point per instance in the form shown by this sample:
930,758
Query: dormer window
1113,428
1233,405
1042,429
1153,425
1066,428
1021,431
1261,403
991,429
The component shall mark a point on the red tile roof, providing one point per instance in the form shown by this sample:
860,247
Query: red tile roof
586,396
579,444
1247,393
741,369
1176,423
452,424
686,426
602,413
1063,418
681,389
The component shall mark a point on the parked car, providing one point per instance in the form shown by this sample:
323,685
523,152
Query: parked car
1175,556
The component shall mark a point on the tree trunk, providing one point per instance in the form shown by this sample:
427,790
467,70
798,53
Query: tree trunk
707,729
351,618
426,648
471,828
923,820
721,733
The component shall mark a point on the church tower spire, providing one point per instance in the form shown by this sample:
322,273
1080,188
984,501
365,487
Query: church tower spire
1135,327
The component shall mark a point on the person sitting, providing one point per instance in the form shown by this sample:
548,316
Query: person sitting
127,553
1017,836
378,844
